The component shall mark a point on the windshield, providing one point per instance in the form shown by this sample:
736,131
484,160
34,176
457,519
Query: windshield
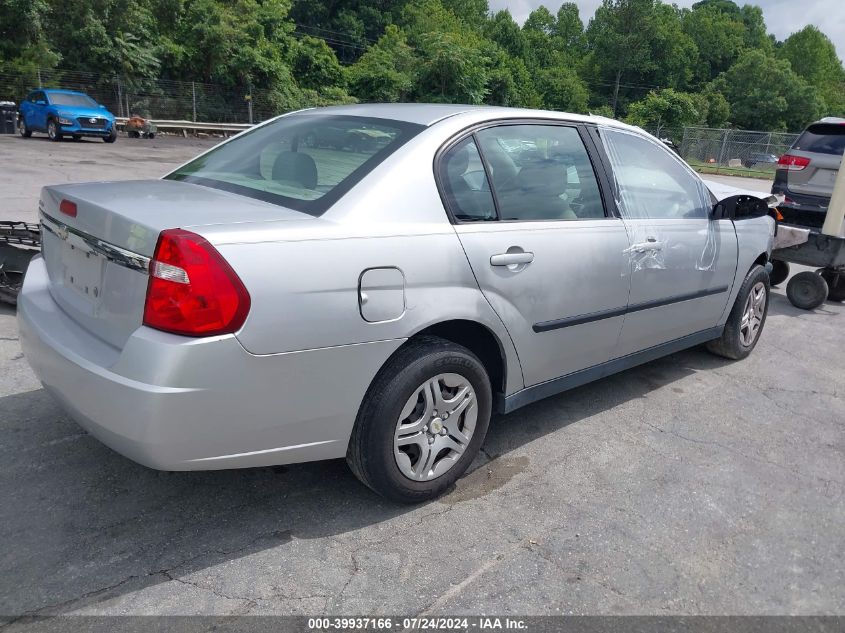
305,162
84,101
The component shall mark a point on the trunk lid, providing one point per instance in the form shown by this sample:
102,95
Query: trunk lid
97,261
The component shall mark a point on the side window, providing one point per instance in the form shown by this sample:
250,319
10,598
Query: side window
651,182
541,172
465,183
40,96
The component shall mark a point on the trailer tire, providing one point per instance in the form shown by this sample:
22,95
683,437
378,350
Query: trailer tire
806,290
780,271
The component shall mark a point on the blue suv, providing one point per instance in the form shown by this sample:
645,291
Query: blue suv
65,112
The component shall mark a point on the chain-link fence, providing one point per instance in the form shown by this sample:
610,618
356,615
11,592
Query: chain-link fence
151,98
726,149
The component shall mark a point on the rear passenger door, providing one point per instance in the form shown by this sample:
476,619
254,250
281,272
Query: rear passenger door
683,262
528,208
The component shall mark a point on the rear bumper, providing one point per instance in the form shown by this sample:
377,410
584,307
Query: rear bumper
800,209
173,403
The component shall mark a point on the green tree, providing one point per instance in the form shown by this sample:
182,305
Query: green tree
562,89
765,94
713,108
719,37
619,38
540,20
568,30
664,109
23,39
813,57
387,71
454,66
504,31
315,65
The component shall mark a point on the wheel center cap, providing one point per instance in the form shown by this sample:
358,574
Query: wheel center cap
436,426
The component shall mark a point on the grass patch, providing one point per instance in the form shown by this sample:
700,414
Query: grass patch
743,172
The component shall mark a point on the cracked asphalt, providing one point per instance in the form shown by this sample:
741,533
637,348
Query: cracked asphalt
690,485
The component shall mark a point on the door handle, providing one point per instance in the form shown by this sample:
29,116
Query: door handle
511,259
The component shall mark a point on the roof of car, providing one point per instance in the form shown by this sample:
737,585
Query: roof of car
430,113
63,92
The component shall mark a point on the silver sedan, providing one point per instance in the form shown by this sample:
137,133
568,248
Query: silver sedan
373,281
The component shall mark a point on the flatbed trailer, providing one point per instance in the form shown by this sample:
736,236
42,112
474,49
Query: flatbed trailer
824,250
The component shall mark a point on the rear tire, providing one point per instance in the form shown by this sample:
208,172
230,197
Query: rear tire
835,284
747,318
424,416
780,271
53,131
23,130
807,290
77,137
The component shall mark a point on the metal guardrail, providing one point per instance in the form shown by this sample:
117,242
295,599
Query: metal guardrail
194,126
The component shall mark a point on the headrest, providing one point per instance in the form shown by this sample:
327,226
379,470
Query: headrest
457,163
549,176
296,167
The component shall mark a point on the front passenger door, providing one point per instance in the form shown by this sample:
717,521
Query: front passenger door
38,112
528,209
682,261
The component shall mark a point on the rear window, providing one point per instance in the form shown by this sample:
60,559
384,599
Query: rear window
305,162
823,138
81,101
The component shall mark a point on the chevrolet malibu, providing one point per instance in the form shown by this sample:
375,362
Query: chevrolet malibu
277,300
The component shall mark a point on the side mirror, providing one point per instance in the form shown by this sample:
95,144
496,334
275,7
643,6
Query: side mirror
740,208
102,107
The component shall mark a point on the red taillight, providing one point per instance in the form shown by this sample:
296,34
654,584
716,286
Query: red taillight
192,290
68,208
793,163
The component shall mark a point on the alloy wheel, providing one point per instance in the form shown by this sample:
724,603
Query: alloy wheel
752,314
435,427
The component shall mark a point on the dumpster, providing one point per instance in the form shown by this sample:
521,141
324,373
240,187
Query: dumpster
8,117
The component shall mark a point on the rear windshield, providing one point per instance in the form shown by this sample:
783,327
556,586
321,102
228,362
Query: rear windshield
823,138
83,101
305,162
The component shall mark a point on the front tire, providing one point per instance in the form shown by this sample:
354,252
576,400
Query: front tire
23,130
53,131
747,318
422,421
112,137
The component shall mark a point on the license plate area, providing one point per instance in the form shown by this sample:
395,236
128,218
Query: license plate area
83,268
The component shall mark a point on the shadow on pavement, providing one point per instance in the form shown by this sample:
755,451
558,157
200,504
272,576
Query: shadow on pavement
82,524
